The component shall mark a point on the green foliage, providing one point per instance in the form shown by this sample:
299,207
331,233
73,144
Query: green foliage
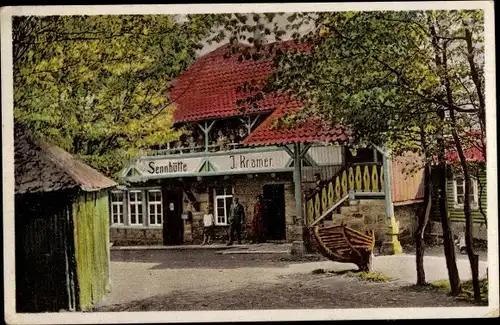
362,275
318,271
98,85
379,73
467,290
370,276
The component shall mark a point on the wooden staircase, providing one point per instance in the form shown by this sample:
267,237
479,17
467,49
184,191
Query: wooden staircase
361,181
331,202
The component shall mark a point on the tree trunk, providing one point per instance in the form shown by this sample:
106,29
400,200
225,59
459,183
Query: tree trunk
449,247
480,198
422,223
473,260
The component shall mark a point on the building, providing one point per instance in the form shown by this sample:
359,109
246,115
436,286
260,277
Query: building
455,194
234,150
61,228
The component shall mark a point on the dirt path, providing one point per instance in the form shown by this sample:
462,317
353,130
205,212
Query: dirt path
295,291
206,280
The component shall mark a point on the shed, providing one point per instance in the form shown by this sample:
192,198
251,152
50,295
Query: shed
61,228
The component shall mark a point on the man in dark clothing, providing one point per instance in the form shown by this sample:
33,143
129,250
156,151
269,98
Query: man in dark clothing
319,184
236,219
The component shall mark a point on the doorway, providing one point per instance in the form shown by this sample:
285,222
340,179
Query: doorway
173,225
274,198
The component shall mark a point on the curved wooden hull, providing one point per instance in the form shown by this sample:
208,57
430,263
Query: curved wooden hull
345,245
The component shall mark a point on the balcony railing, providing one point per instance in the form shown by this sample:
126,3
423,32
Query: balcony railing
191,150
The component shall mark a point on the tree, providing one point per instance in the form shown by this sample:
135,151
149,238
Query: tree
367,70
456,48
98,85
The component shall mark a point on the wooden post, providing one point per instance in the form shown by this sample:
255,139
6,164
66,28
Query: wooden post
375,156
389,207
249,123
391,245
206,129
344,156
297,173
298,245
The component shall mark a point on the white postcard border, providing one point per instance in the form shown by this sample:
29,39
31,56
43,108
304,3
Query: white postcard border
252,315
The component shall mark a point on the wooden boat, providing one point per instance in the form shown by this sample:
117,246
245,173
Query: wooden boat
345,245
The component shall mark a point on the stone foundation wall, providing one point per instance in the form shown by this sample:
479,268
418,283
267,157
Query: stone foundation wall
407,216
363,215
479,230
136,236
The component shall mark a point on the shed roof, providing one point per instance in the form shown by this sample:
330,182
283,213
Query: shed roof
313,129
43,167
208,88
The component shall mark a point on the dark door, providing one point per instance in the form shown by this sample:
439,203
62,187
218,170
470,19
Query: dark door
173,225
274,198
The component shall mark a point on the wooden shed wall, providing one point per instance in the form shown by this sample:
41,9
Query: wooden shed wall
91,231
44,267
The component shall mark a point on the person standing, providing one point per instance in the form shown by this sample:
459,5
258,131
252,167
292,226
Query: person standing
318,183
258,220
208,227
236,219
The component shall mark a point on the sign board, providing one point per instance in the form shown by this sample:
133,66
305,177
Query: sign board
177,166
251,161
230,162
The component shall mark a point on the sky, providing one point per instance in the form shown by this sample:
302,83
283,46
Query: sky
281,20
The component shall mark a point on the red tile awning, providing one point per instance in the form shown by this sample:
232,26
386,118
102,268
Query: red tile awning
313,129
208,89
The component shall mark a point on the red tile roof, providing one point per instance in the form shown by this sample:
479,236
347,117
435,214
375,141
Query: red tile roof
472,146
473,154
208,89
313,129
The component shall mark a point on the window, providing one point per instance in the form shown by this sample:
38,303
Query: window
135,207
459,191
154,207
223,198
117,208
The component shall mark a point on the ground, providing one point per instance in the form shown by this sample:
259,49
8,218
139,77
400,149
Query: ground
208,279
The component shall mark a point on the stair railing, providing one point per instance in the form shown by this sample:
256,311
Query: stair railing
364,177
329,210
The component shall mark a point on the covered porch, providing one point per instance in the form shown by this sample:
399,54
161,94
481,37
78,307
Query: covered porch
368,178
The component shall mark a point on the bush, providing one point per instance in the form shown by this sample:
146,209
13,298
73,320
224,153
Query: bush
370,276
467,289
318,271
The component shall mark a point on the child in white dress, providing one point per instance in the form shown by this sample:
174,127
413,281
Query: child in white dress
208,227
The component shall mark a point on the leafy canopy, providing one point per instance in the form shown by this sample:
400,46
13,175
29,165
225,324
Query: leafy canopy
378,73
98,85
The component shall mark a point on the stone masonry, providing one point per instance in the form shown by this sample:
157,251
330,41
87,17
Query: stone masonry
136,236
363,215
246,189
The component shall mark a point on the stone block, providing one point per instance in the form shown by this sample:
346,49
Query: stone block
298,248
374,203
370,219
348,209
